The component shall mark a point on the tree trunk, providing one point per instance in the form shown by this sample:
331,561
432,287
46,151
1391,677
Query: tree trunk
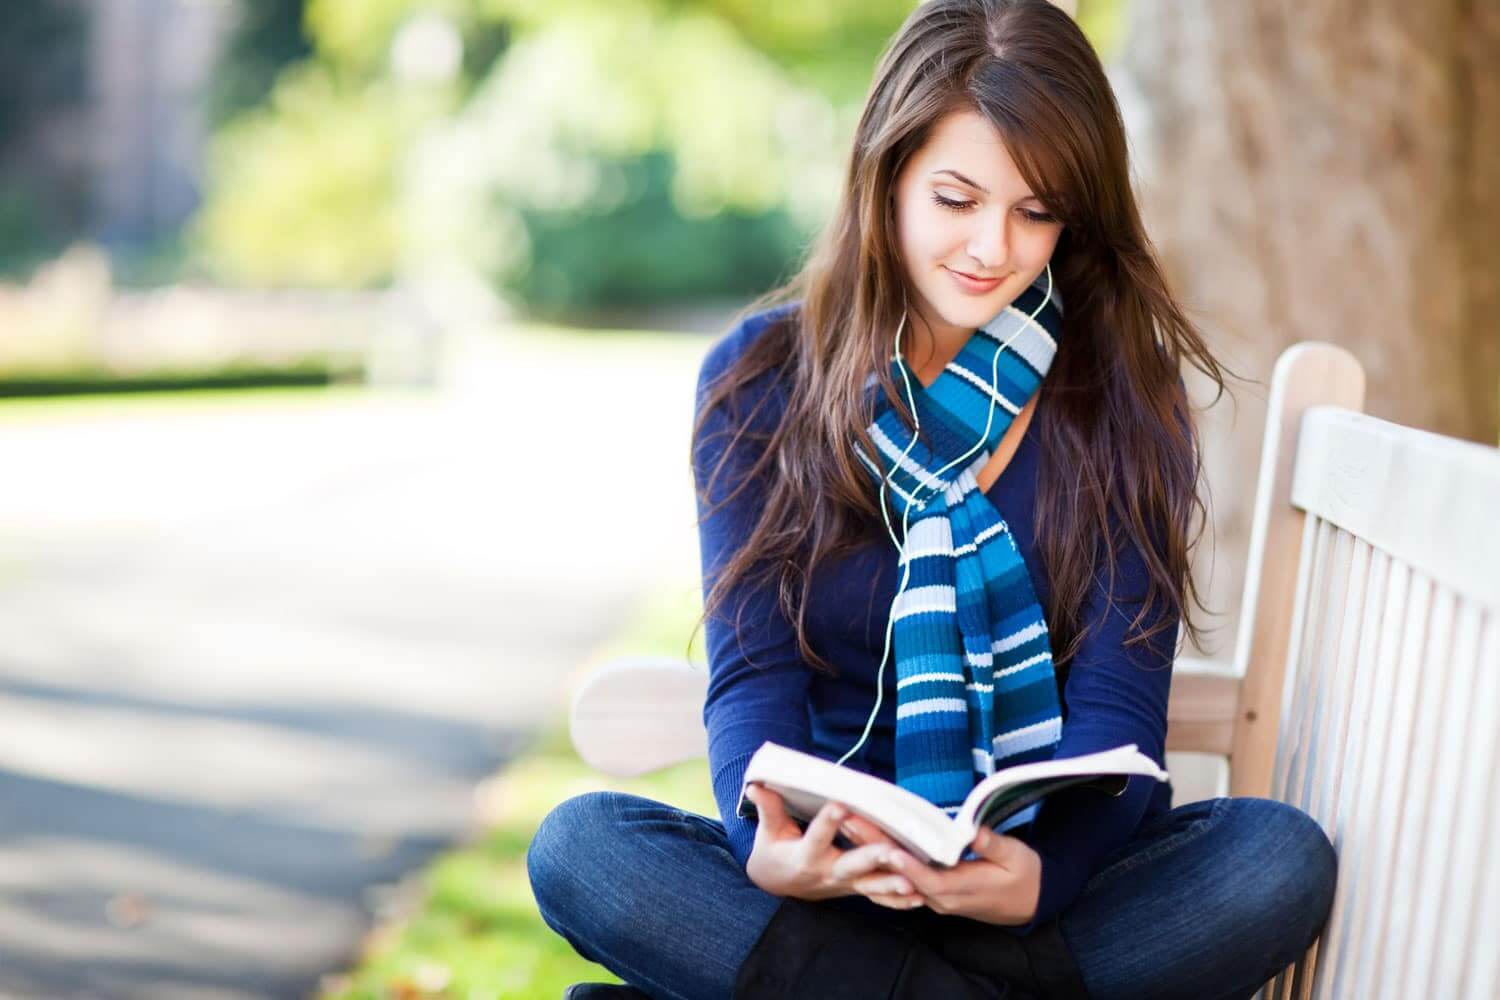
1322,170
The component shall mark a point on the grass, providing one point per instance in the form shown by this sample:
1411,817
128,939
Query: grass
51,409
473,931
92,381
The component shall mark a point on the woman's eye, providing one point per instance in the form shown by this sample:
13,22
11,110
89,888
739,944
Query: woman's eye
949,204
1038,217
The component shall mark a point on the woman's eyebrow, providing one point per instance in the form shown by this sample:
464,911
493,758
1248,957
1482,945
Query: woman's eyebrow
972,184
975,184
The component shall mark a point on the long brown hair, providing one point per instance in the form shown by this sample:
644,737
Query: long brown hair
1113,418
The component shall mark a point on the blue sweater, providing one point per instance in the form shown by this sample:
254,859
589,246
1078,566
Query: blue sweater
760,687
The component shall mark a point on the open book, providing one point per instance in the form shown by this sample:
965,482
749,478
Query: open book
805,782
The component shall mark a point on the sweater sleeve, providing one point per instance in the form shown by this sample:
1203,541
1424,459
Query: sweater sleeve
1114,695
758,681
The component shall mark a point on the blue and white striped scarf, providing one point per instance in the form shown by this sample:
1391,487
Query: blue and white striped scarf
975,687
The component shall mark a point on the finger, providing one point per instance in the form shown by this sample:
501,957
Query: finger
994,846
772,812
929,881
883,884
908,901
860,860
824,825
862,831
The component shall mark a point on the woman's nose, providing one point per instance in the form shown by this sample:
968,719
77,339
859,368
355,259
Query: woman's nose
987,246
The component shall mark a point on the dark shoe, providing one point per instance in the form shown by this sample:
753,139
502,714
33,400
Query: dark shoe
822,952
603,991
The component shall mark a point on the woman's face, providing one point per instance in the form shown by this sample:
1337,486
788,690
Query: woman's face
962,208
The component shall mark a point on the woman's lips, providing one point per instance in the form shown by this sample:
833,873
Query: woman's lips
972,285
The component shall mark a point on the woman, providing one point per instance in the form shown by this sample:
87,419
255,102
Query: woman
945,478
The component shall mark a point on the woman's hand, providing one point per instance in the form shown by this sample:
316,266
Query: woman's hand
1002,887
785,861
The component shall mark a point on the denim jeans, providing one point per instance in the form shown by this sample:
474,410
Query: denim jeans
1207,901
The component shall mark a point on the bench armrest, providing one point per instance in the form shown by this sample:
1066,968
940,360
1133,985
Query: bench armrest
638,714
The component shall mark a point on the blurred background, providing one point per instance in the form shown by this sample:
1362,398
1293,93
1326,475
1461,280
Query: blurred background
303,301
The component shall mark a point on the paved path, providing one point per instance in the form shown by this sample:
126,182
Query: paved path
253,658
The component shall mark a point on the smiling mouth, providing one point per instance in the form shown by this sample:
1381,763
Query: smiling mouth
975,277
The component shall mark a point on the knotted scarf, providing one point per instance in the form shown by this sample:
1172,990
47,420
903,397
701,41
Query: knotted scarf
975,687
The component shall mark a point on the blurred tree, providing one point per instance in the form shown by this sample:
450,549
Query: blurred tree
666,255
41,63
1325,171
267,38
41,70
305,189
460,172
698,134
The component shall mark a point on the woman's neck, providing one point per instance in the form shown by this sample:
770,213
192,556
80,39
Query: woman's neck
932,347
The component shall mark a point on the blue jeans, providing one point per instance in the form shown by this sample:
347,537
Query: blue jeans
1207,901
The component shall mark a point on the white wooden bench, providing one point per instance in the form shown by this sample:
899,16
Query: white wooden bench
1365,688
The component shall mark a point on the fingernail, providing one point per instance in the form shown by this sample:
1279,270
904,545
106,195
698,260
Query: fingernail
897,861
837,813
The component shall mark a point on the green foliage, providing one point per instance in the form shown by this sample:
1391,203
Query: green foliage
24,242
305,190
93,382
1103,21
587,152
107,406
660,255
354,36
831,46
349,175
267,38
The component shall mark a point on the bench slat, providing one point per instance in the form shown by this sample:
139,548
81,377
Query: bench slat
1356,892
1341,781
1442,890
1482,962
1316,539
1394,780
1318,624
1413,866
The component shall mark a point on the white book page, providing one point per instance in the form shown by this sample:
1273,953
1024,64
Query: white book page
1124,759
911,820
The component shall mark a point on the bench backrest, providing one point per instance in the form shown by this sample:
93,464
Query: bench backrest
1370,692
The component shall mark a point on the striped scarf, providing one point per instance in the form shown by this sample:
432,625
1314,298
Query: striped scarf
975,688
